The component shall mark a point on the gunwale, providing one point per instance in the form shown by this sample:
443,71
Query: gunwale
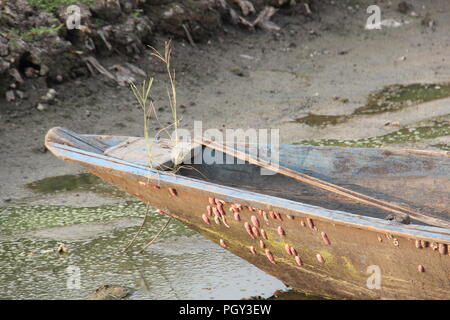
86,158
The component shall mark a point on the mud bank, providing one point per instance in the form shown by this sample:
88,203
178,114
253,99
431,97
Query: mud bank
42,44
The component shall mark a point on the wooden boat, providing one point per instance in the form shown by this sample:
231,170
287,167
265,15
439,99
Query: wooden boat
307,234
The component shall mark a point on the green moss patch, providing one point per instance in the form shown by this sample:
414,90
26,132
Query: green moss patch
389,99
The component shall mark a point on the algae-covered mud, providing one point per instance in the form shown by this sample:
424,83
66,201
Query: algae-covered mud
424,131
177,266
389,99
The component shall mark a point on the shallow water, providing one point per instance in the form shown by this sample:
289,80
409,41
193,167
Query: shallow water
180,265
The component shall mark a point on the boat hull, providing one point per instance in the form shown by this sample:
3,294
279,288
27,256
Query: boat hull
322,251
349,256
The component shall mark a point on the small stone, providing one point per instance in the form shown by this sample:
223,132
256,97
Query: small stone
10,96
41,107
404,7
49,96
62,249
41,149
107,10
44,70
21,94
392,123
16,75
109,292
30,72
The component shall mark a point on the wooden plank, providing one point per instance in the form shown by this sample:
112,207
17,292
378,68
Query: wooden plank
162,153
70,138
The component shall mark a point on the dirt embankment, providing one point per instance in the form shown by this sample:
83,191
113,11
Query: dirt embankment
38,49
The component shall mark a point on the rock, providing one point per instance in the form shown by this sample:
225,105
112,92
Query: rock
129,5
404,7
62,249
21,94
392,123
428,21
202,18
10,96
128,37
109,292
41,107
108,10
4,65
4,49
31,72
44,70
279,3
49,96
16,75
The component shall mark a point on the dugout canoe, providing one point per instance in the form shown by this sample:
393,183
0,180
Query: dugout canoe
298,225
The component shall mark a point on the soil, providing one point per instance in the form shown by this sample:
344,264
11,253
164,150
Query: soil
325,64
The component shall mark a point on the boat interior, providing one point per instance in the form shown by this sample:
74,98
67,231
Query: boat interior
413,179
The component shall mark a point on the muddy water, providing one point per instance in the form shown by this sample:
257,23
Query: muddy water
180,265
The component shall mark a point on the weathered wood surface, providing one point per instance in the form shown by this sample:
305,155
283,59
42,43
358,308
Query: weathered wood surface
351,195
161,153
413,259
133,149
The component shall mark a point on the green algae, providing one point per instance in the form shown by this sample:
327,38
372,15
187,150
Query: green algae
25,218
171,268
396,97
422,131
321,120
390,98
